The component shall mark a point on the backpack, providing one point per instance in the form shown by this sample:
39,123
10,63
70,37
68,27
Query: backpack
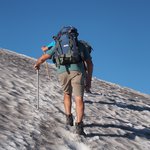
66,49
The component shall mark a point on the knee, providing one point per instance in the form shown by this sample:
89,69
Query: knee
79,99
67,96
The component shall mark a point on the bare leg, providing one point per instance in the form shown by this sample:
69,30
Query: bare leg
79,108
67,103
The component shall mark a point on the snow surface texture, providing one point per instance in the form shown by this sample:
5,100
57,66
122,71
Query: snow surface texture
116,118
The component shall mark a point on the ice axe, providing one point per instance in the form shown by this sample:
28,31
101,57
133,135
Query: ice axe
37,88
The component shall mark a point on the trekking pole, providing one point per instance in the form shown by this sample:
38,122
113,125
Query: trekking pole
47,70
37,89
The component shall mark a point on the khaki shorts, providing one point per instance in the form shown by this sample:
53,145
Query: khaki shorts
72,82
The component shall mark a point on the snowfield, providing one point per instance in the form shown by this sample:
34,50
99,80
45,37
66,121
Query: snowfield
116,118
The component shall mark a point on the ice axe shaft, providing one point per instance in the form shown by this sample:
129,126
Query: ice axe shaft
37,89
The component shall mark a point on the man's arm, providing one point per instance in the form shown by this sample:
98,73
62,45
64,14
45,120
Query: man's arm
89,67
89,72
41,60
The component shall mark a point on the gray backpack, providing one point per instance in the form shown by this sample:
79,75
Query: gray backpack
66,49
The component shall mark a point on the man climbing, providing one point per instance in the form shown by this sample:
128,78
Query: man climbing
71,71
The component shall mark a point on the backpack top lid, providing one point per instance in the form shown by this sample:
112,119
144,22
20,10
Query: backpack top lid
68,30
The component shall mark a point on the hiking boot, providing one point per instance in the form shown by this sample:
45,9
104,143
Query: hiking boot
69,120
79,128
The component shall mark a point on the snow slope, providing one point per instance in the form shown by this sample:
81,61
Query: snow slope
116,118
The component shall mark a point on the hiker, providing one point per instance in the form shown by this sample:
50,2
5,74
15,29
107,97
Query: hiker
70,72
87,85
